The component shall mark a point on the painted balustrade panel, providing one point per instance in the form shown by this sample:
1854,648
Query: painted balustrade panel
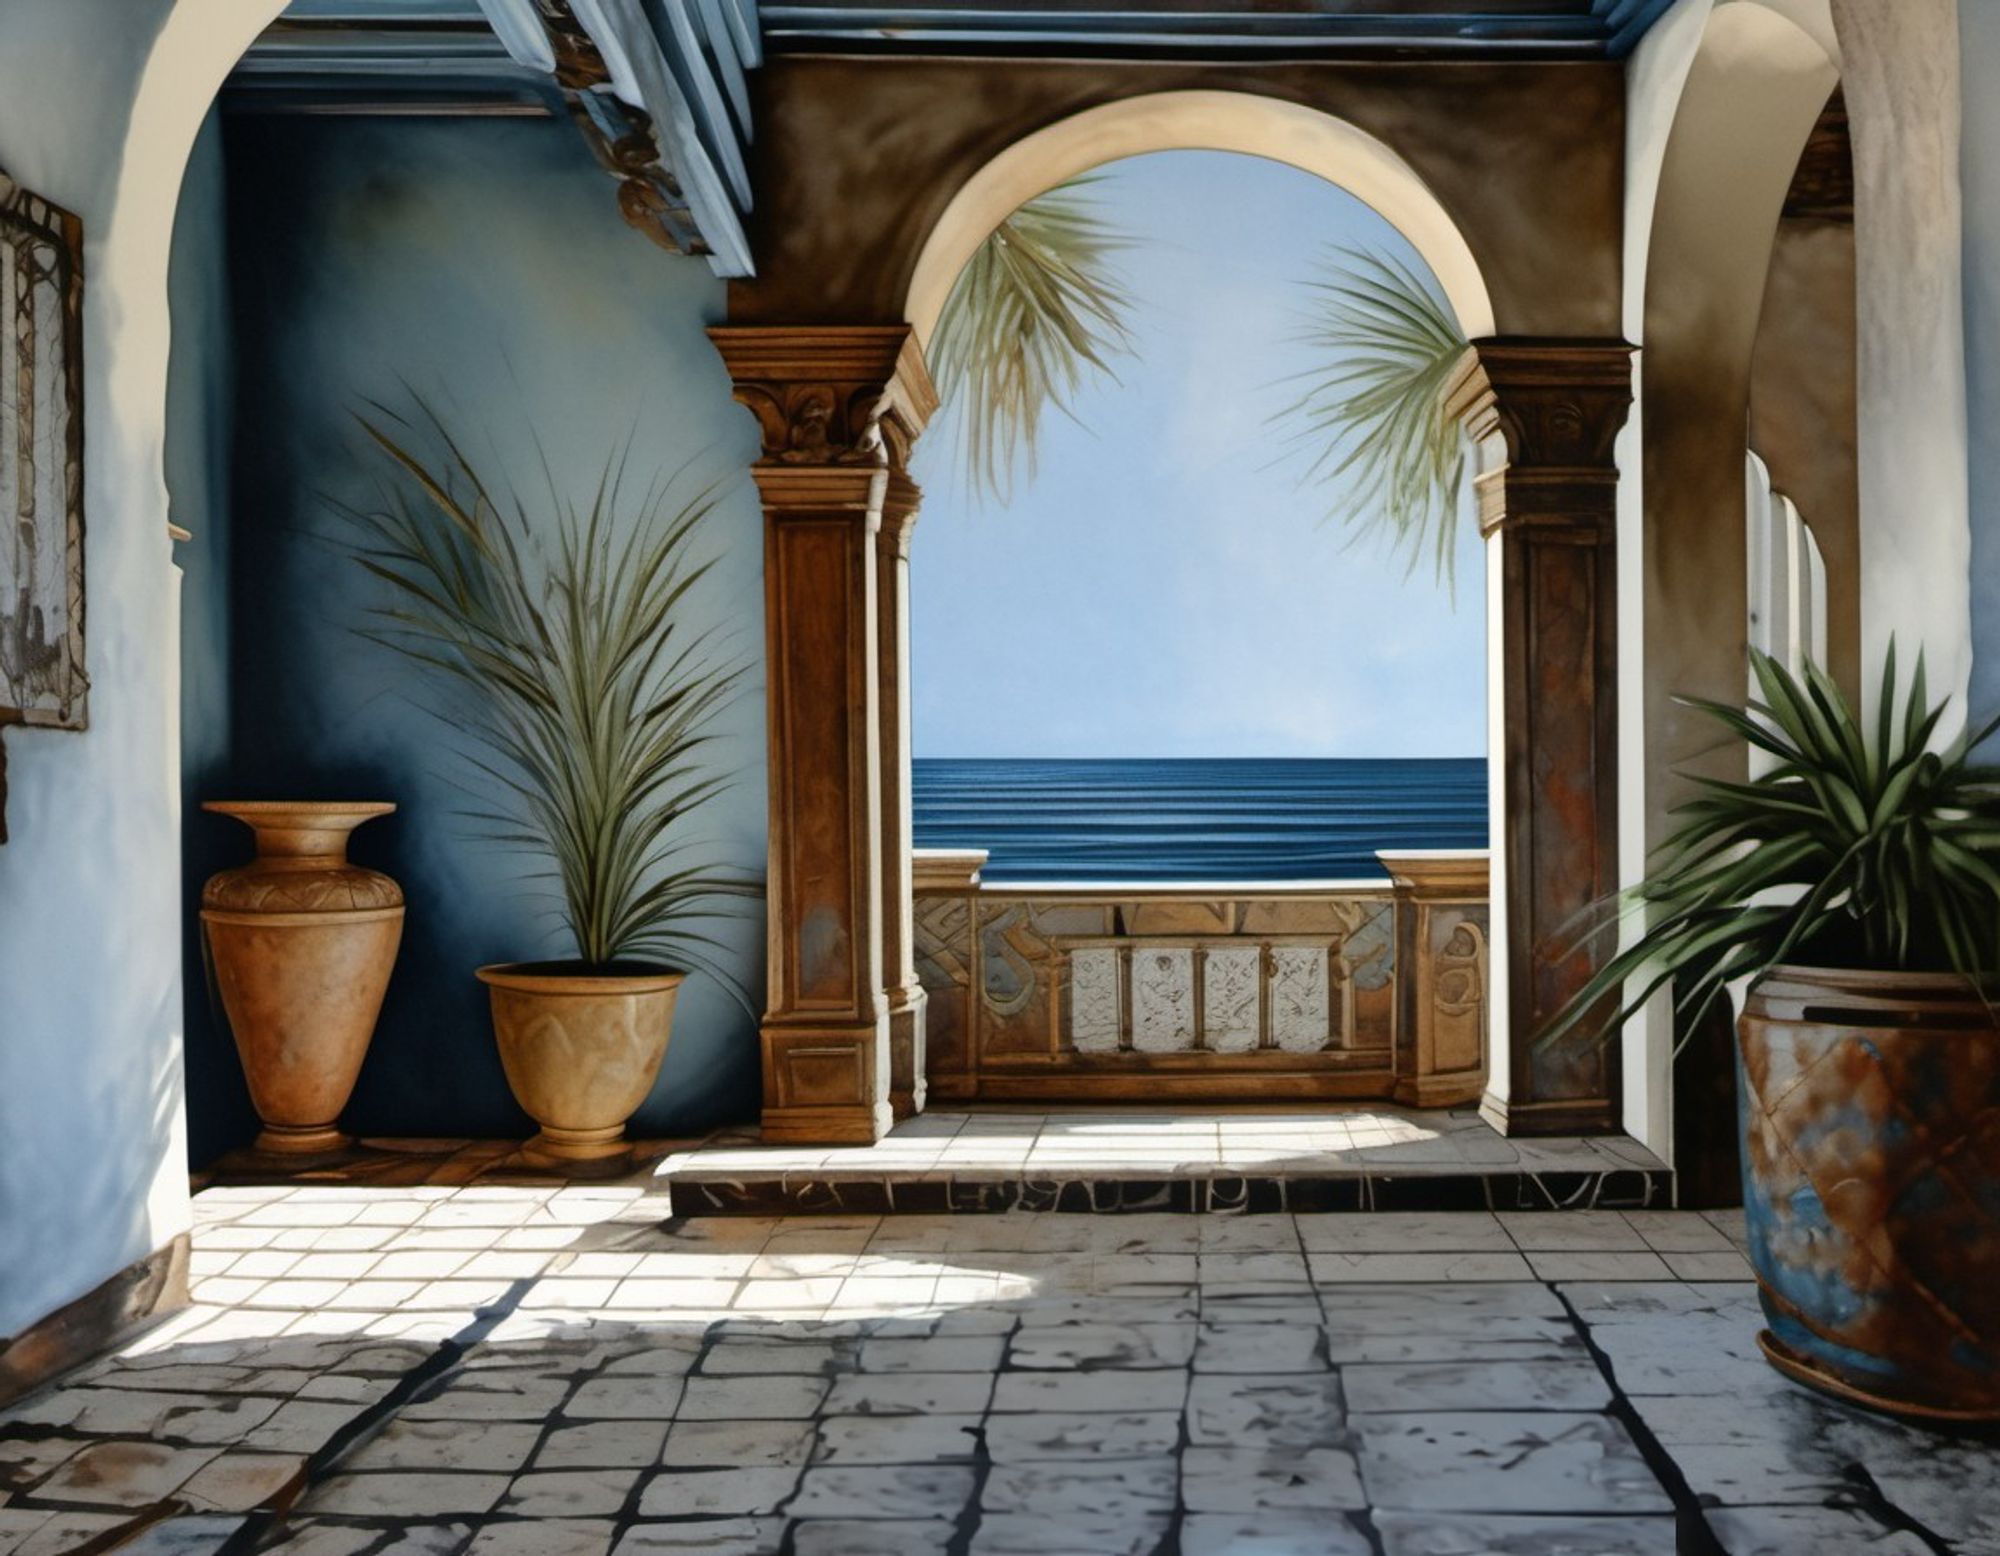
1053,994
1299,1003
1163,1014
1210,996
1232,998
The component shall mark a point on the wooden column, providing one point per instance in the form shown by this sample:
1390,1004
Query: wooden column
1549,412
899,965
838,408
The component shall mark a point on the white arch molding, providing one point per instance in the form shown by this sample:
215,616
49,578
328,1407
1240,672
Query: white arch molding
104,1167
1722,95
1245,122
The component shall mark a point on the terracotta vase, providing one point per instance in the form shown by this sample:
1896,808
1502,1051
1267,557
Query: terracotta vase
1871,1177
581,1047
303,943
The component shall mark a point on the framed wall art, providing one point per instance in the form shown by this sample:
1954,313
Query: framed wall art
42,679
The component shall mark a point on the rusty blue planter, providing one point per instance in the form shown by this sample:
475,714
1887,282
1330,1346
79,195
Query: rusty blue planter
1871,1185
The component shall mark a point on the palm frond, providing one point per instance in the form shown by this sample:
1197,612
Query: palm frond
591,703
1369,417
1861,848
1037,309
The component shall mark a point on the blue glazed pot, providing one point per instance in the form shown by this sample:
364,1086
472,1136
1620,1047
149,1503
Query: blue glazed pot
1870,1105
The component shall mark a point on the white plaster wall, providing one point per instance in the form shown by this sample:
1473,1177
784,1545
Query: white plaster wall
1654,76
100,102
1499,972
1901,73
1979,173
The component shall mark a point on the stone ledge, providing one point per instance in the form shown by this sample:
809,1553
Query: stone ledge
694,1195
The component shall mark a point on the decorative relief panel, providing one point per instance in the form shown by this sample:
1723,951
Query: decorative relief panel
1012,957
943,942
1020,970
1369,950
1094,999
1299,999
943,953
1162,999
1231,988
1458,988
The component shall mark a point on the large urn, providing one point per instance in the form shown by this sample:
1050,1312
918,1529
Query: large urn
1871,1176
302,943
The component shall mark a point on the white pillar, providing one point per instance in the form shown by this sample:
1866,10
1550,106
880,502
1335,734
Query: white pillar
1900,68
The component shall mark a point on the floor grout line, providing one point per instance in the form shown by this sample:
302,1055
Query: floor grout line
1693,1537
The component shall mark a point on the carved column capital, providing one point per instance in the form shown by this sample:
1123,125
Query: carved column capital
1553,409
901,497
842,396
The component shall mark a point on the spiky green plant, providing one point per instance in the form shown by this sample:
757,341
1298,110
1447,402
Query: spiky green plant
590,703
1860,848
1035,311
1370,414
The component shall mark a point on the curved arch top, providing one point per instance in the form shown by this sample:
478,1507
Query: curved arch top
1245,122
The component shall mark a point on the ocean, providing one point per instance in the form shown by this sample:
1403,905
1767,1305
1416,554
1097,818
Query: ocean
1194,819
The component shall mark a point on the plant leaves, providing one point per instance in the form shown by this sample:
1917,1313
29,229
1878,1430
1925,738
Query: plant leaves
1863,847
587,705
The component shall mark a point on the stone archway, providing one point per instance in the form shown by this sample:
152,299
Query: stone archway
839,406
1756,78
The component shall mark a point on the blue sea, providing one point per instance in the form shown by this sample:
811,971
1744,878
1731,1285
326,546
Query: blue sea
1174,819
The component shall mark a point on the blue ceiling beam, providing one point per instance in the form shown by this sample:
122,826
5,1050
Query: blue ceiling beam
1629,21
519,28
703,153
681,63
1546,28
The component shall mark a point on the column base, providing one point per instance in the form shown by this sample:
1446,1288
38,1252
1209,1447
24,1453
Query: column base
824,1126
1441,1091
826,1085
1521,1120
907,1087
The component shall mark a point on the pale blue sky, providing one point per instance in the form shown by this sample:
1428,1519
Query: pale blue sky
1164,586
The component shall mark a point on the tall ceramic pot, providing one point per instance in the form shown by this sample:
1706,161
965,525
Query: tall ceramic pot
581,1045
303,943
1871,1185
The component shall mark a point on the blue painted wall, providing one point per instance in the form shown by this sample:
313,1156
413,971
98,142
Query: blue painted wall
1979,171
482,265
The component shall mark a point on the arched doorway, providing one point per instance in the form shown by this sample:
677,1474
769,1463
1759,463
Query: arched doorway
840,405
1217,693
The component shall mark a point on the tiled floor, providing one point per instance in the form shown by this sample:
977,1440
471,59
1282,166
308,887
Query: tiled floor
539,1372
1250,1159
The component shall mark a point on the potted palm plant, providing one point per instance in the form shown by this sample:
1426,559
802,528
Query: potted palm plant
1854,888
589,707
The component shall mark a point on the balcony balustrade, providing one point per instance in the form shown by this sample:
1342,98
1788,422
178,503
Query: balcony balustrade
1218,992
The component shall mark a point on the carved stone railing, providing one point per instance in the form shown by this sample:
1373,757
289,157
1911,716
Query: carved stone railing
1277,992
